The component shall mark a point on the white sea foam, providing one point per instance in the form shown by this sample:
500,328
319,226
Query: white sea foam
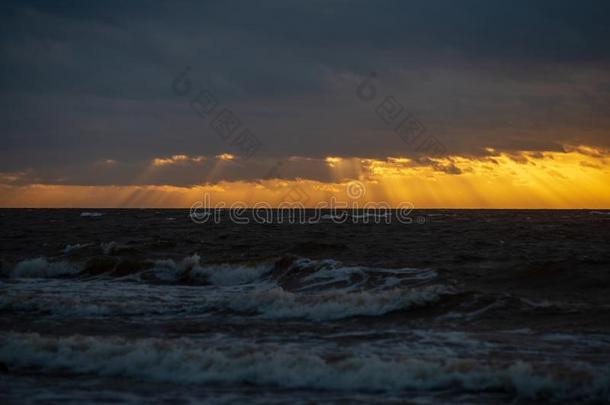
168,269
41,268
108,247
72,248
333,274
186,361
224,274
277,303
91,214
98,298
317,290
232,274
308,274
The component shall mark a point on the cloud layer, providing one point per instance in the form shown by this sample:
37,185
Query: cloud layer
88,90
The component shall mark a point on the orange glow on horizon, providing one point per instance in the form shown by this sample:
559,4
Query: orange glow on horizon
578,178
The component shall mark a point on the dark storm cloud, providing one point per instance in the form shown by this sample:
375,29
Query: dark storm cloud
82,81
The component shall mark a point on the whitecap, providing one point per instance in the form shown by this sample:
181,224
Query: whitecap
109,247
232,274
91,214
72,248
222,274
277,303
186,361
42,268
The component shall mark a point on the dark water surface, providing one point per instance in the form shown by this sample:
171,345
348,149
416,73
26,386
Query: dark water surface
471,306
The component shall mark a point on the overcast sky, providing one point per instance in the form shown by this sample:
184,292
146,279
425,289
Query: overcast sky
87,91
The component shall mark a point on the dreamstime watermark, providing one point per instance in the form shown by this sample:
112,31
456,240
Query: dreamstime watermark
393,113
229,128
294,212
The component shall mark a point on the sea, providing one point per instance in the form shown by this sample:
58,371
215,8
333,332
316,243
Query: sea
455,306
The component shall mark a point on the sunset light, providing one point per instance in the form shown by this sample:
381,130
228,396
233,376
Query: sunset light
305,202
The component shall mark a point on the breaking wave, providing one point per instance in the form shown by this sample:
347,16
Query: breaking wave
41,268
223,274
328,306
265,304
285,288
289,272
187,361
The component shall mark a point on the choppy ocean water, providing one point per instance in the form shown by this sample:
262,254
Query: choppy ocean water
464,306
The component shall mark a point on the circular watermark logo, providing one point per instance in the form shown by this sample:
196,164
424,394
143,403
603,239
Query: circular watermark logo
355,190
